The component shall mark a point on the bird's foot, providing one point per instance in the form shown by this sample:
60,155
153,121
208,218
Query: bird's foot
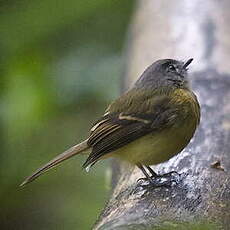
164,180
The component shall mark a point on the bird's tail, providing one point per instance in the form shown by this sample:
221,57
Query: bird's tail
76,149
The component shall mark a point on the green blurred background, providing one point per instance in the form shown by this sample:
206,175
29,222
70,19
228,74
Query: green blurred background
60,65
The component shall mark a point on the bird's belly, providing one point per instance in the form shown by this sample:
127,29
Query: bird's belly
157,147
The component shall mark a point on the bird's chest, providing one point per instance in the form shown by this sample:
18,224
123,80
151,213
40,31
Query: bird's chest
161,145
187,105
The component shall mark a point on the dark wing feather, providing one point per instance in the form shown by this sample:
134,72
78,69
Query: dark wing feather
116,136
115,130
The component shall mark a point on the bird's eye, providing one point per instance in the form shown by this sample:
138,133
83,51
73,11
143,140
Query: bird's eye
172,68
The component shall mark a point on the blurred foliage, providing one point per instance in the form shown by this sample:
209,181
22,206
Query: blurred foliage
60,65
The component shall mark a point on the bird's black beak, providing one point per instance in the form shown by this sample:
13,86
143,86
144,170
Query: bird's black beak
187,63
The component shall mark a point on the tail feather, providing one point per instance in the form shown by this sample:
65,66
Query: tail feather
76,149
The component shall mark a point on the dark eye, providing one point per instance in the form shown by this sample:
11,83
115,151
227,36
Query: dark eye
172,68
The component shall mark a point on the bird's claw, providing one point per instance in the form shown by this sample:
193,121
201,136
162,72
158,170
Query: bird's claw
164,180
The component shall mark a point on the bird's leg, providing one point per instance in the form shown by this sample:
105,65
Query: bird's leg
155,175
151,171
147,177
156,180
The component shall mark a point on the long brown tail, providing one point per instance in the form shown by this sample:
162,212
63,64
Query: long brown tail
76,149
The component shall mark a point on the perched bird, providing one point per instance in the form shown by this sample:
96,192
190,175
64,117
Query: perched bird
147,125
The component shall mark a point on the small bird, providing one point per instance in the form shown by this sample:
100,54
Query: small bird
147,125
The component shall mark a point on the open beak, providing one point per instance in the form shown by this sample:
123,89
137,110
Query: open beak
187,63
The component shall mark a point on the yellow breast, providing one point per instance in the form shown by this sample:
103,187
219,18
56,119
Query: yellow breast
160,146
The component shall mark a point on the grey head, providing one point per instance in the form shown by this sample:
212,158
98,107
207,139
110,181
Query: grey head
164,73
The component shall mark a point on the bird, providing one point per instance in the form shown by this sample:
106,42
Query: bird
147,125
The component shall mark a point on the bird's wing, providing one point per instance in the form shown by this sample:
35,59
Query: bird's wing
117,129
